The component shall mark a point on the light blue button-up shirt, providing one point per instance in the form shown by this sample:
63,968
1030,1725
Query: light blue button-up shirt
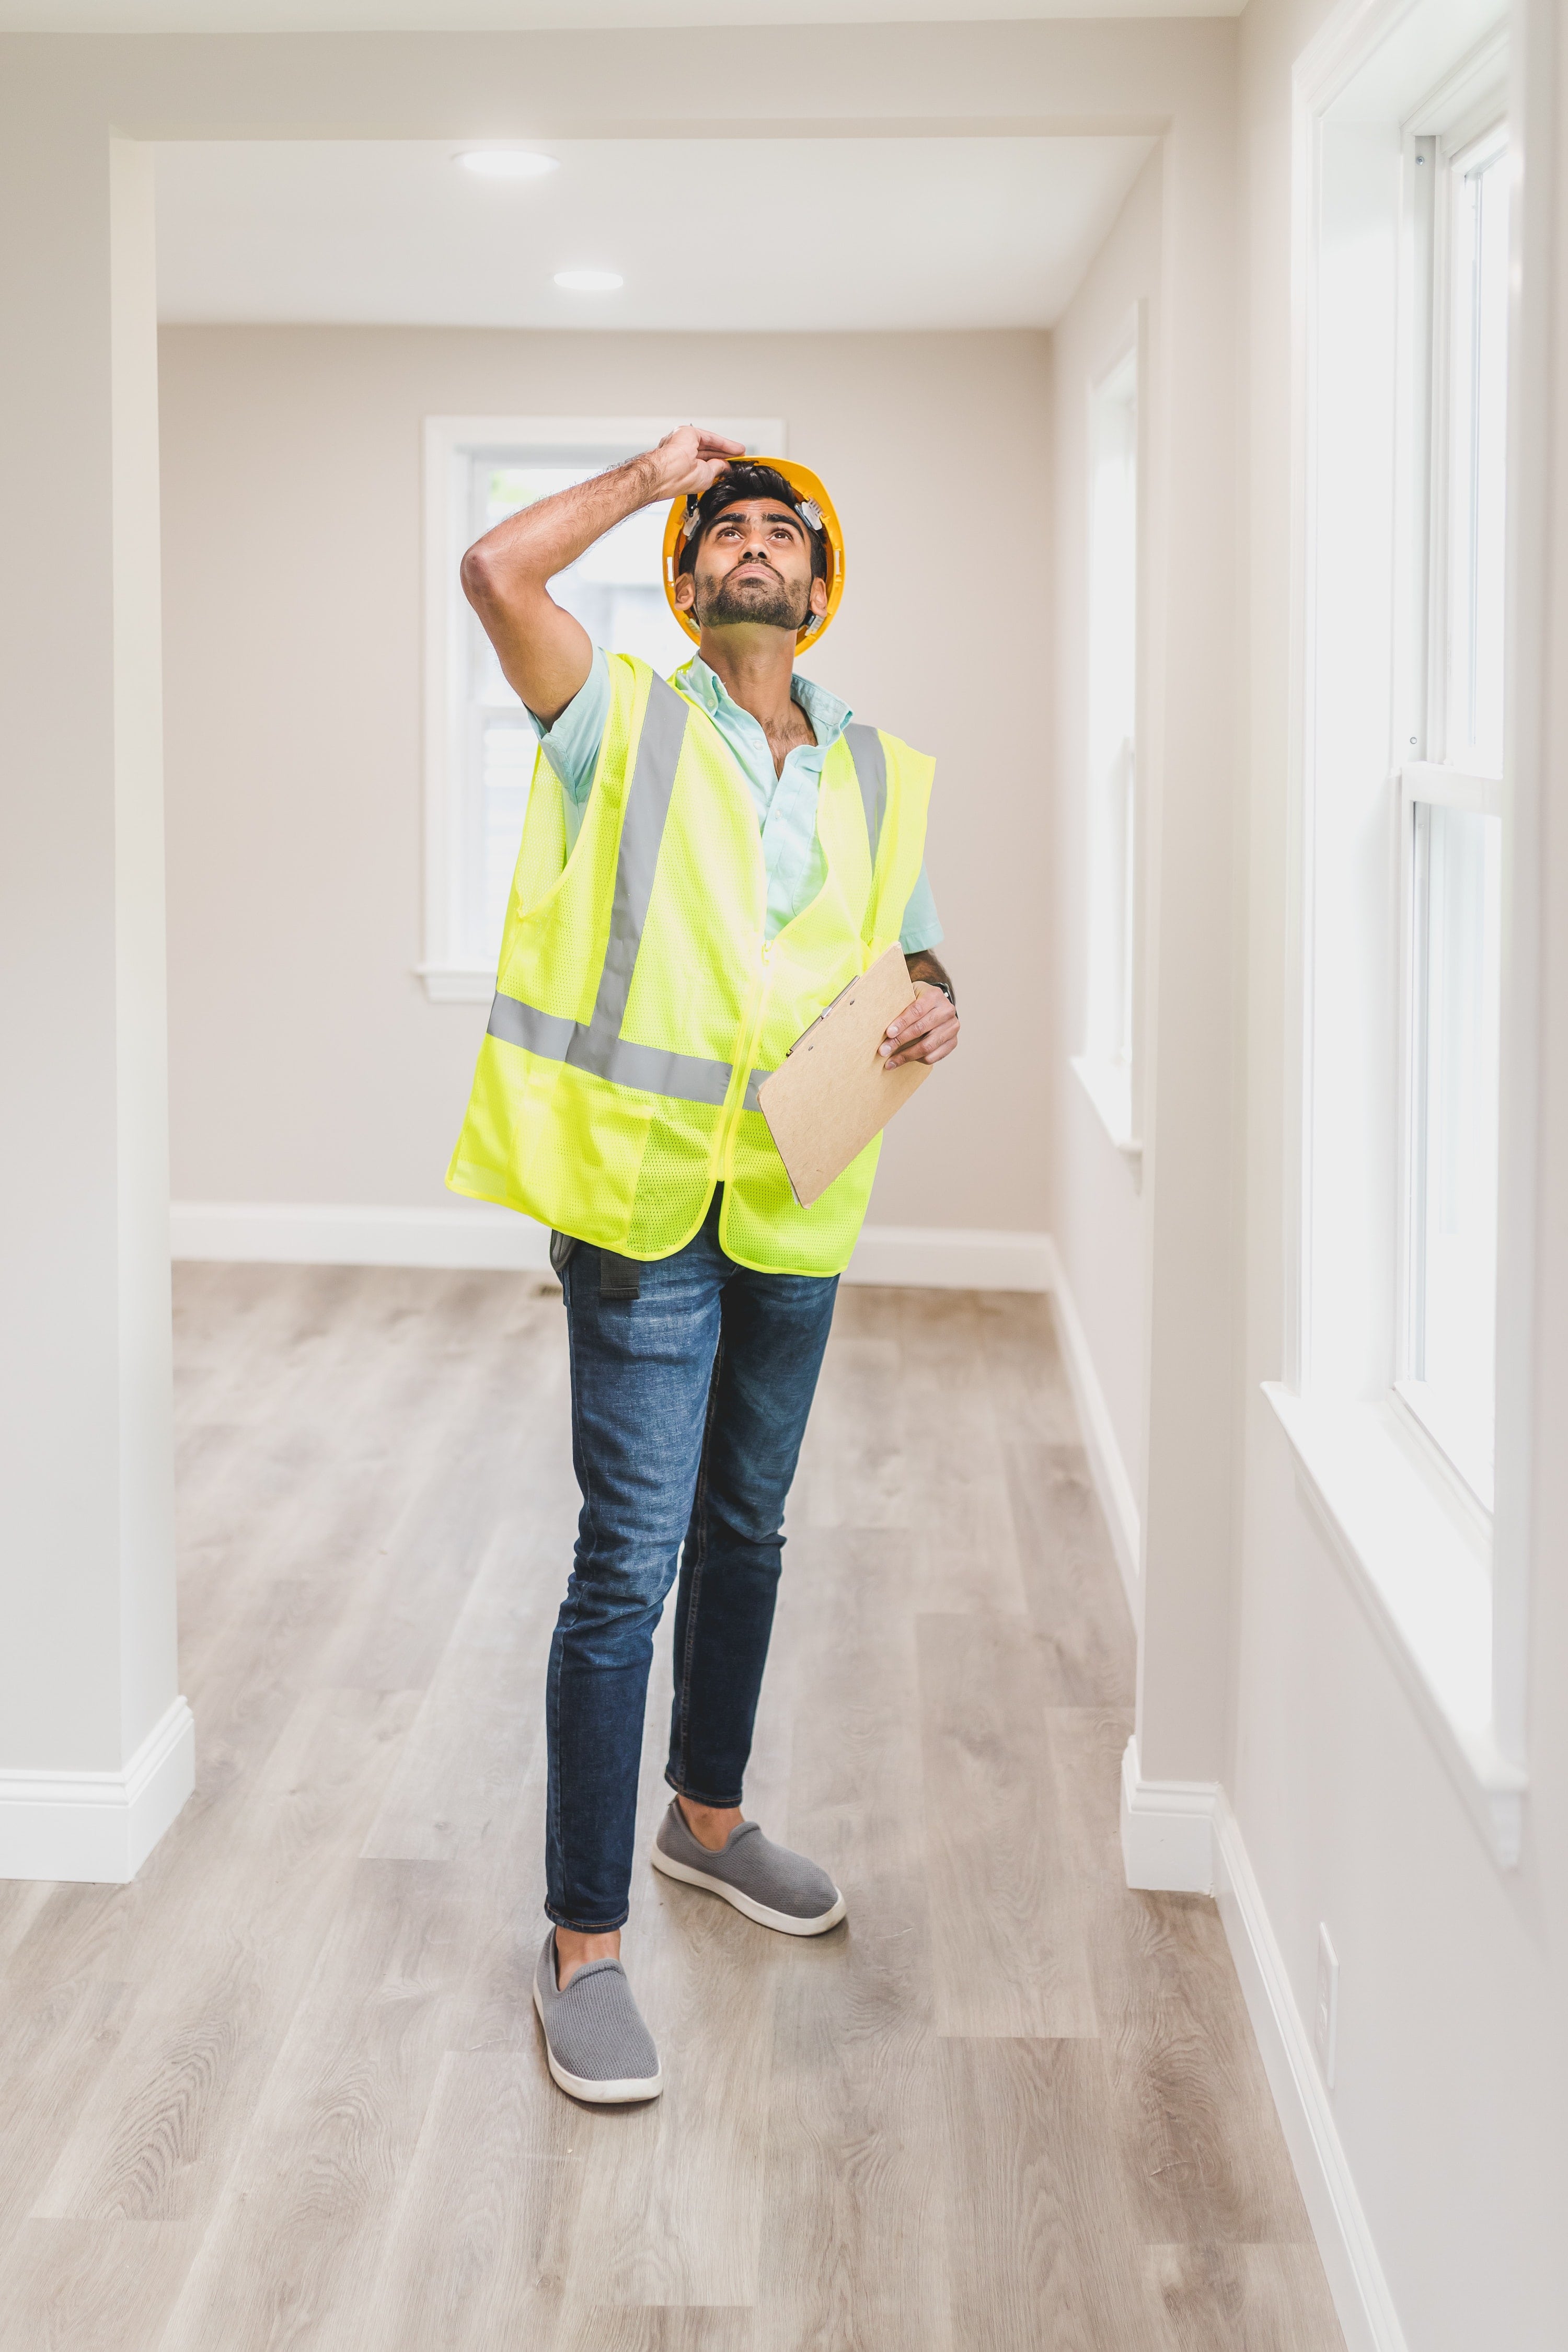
786,798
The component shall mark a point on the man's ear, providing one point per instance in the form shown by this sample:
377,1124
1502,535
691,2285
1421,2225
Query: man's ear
685,591
819,595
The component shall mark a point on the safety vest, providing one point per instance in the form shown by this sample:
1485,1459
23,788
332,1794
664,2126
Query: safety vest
639,1004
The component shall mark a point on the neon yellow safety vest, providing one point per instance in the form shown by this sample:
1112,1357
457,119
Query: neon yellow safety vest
639,1004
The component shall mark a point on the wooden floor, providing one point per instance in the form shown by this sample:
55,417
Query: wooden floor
287,2090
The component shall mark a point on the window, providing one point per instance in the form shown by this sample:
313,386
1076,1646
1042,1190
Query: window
1105,1066
480,744
1403,1354
1451,799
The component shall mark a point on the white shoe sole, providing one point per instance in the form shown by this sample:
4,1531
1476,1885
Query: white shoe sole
784,1921
633,2090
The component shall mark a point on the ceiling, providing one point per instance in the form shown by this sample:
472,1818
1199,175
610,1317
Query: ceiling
529,16
727,233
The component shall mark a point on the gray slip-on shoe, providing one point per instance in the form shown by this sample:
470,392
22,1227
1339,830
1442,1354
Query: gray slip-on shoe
769,1883
597,2045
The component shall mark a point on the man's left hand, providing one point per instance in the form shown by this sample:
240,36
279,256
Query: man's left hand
928,1031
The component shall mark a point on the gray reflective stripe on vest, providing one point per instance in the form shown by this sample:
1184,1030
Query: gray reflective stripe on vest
685,1077
599,1047
642,830
871,776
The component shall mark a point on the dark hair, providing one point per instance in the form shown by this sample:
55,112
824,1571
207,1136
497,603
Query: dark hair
746,480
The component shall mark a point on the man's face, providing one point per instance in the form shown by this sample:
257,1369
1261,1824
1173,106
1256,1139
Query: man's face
753,564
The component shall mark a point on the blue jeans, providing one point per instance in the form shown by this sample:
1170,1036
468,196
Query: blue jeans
689,1404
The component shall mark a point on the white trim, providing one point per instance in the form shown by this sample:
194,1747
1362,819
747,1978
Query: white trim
1423,1581
1477,88
1109,1086
1349,2258
1118,1499
1534,405
457,983
1435,784
1116,1088
951,1257
473,1235
1167,1830
99,1827
447,441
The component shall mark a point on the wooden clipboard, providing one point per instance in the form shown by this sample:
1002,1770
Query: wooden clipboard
832,1091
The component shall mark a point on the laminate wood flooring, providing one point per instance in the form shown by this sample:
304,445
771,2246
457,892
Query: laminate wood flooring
286,2092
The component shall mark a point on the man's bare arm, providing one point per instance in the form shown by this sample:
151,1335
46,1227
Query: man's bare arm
926,964
543,651
928,1031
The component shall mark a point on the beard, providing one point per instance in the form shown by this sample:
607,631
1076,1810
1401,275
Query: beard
759,597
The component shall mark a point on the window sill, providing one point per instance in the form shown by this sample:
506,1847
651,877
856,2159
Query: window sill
1109,1086
1461,1441
457,983
1424,1579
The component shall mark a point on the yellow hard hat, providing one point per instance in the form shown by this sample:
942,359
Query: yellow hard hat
811,495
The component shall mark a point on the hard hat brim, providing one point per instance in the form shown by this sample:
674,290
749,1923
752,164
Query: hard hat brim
801,480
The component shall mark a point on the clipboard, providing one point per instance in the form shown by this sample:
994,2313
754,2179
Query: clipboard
833,1093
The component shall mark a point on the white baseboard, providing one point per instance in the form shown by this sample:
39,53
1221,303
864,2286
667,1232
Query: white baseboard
471,1234
1167,1830
99,1826
950,1257
1108,1469
1355,2276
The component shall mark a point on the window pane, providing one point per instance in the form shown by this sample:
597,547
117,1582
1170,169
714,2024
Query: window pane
1458,948
1478,437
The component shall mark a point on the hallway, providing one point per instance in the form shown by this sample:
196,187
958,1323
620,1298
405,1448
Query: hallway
286,2089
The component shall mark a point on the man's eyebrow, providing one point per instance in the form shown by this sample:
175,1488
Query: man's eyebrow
779,514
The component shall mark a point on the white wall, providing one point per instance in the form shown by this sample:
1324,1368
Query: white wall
307,1064
1452,2078
87,1567
1450,2089
1147,1266
1097,1208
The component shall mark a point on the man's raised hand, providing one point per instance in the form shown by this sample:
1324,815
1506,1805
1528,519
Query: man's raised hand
690,460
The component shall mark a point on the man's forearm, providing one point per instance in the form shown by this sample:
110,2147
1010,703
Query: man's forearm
543,651
532,545
926,965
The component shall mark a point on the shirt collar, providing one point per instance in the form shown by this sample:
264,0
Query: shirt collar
827,714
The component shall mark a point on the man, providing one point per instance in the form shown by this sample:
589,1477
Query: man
724,853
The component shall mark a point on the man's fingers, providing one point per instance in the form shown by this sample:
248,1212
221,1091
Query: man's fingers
923,1034
920,1014
927,1013
926,1049
709,441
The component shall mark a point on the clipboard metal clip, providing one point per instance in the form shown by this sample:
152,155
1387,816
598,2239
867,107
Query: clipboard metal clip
832,1007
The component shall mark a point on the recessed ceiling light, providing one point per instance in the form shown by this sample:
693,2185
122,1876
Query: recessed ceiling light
589,281
507,163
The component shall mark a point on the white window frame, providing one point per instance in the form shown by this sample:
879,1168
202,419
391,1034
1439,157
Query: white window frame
450,977
1444,1587
1467,112
1111,1079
